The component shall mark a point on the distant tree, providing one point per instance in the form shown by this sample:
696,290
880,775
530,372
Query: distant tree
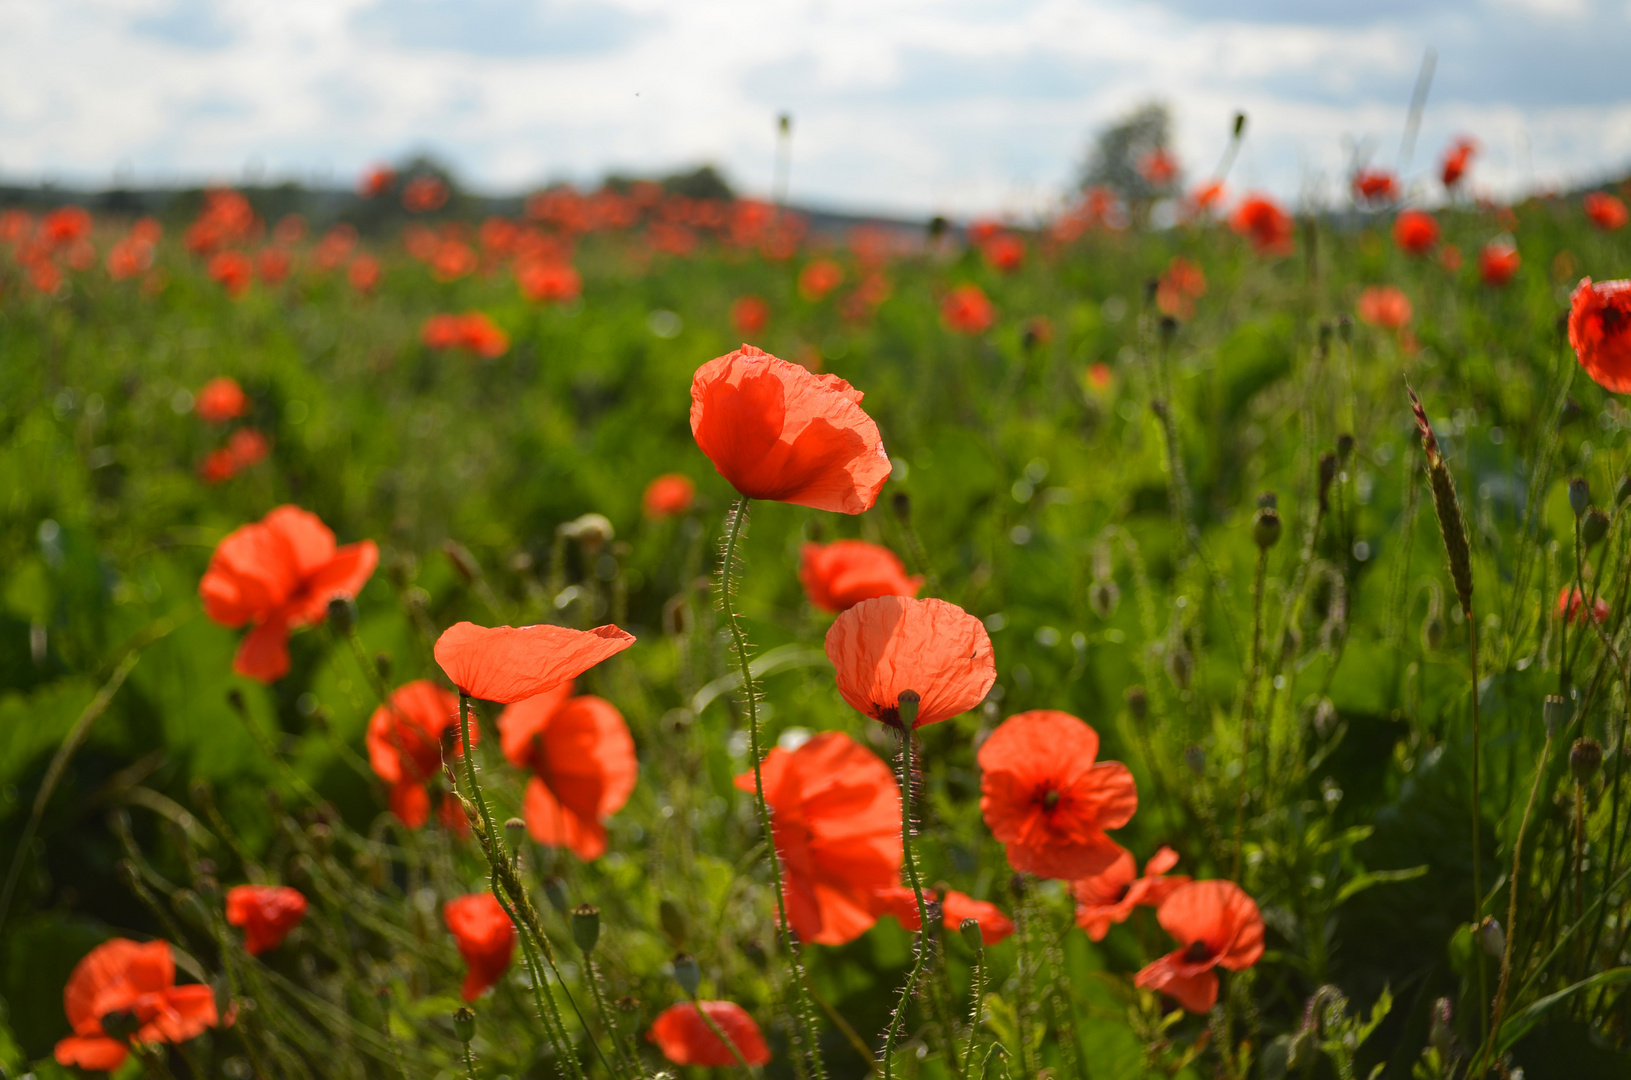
1123,154
702,183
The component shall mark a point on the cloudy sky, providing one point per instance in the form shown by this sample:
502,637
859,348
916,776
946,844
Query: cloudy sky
956,106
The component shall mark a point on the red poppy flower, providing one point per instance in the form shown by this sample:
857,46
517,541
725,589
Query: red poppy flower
1600,331
279,573
1099,376
248,447
777,431
901,902
1415,231
1216,923
65,224
507,664
1260,219
409,738
582,759
1004,252
670,495
1207,196
1570,607
749,314
126,976
888,644
129,257
1384,306
15,226
1375,186
233,271
289,230
1498,263
272,264
820,278
423,194
1457,157
473,331
1110,896
220,400
1606,211
218,466
542,280
335,247
966,310
1047,801
363,273
1179,288
1159,167
376,181
266,912
835,818
839,575
685,1038
485,937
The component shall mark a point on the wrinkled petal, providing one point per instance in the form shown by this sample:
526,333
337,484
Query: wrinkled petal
1220,916
343,575
1195,991
839,575
1600,331
888,644
551,824
506,664
586,756
267,913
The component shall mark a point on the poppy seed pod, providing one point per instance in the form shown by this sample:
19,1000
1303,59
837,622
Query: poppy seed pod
1579,495
586,927
970,929
515,830
687,974
1266,530
1491,936
1138,702
908,703
1585,758
464,1024
1593,527
1555,714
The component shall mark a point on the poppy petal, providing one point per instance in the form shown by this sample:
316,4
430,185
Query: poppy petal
96,1053
554,825
264,652
1196,992
888,644
686,1039
519,723
508,664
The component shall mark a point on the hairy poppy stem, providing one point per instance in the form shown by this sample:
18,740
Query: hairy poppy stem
804,1019
1512,896
908,704
719,1033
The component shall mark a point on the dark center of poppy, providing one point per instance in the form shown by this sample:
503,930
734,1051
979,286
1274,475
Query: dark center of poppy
1198,953
1050,799
1614,320
889,714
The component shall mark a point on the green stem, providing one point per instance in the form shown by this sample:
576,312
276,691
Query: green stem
908,718
719,1033
469,1063
1246,709
1512,896
1477,856
977,992
618,1049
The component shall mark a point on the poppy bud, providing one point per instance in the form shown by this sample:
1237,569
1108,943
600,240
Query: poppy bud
1572,410
1491,936
627,1004
342,614
1103,597
1328,473
555,891
677,615
1266,530
383,664
784,123
586,927
906,707
1300,1051
1623,492
515,830
672,919
191,908
970,929
593,531
1554,714
901,503
463,562
121,1025
464,1025
1345,447
1593,527
1180,666
1585,759
687,974
1240,124
1151,287
1441,1033
1579,495
1195,758
1138,702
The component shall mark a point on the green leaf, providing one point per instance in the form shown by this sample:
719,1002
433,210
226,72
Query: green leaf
1519,1023
1378,877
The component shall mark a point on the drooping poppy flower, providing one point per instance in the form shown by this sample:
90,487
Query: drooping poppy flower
835,817
820,278
1606,211
1571,607
888,644
423,194
507,664
685,1038
1110,896
363,273
266,912
278,574
1046,799
839,575
582,759
126,976
669,495
1215,923
547,280
1415,231
1457,157
749,314
966,310
409,737
1384,306
901,902
1600,331
233,271
1179,287
485,937
777,431
1375,186
1260,219
1004,252
221,399
1498,263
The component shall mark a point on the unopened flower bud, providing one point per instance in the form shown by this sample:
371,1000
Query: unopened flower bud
1268,500
1555,714
464,1024
1432,632
1593,527
555,891
906,706
515,831
1579,495
970,929
1266,530
687,974
593,531
1585,758
1138,702
586,927
1345,447
901,503
383,665
1491,937
342,614
1240,124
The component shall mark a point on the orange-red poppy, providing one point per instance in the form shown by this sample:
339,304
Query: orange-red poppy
1457,157
1159,167
423,194
1215,923
669,495
289,230
1046,799
1260,219
221,399
1415,231
409,737
128,258
883,646
820,278
547,280
966,310
685,1038
749,314
582,759
485,937
1384,306
248,447
218,466
507,664
273,263
1571,607
1375,186
233,271
454,259
128,977
1180,286
376,181
1498,263
1606,211
835,816
277,574
266,912
472,331
498,235
15,226
1110,895
363,273
146,230
1004,252
901,902
1600,331
335,247
1099,376
777,431
65,224
839,575
1207,196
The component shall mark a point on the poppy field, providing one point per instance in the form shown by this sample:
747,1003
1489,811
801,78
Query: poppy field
644,634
